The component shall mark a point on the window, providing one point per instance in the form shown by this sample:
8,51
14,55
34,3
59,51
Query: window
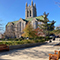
20,26
11,26
39,22
35,24
30,12
8,27
27,13
23,25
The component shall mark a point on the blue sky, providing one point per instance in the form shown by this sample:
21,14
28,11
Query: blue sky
12,10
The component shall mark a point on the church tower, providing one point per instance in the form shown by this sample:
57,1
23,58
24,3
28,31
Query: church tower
30,11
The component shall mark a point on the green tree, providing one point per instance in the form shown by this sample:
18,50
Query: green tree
29,31
51,25
47,25
44,26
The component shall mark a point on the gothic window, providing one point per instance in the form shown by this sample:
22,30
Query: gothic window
27,13
35,25
30,12
11,26
8,27
39,23
20,26
23,25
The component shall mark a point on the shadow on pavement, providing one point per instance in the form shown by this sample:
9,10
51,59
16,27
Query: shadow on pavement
30,52
4,59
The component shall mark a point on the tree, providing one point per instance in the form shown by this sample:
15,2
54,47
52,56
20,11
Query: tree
29,31
39,32
46,26
51,25
57,2
1,27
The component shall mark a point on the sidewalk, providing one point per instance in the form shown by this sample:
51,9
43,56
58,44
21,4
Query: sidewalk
32,53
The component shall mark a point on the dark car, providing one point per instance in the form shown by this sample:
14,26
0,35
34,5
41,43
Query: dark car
52,35
57,36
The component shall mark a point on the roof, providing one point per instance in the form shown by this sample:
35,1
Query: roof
29,19
12,22
38,18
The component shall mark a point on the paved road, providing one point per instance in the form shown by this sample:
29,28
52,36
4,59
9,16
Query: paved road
32,53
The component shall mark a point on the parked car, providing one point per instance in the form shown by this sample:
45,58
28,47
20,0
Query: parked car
56,36
52,35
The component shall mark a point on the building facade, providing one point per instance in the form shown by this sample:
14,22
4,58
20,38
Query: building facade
15,28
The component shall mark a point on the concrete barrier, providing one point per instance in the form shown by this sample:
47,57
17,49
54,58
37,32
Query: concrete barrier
25,45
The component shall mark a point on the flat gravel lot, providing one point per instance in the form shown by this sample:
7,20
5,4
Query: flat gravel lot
33,53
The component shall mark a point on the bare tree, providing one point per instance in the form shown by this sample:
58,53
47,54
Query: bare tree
57,2
1,27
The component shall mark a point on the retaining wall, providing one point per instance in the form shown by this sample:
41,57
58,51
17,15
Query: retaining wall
25,45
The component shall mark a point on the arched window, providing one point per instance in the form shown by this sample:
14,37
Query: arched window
20,26
39,23
35,25
30,12
23,25
27,13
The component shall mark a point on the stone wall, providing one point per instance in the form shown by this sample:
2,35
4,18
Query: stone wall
25,45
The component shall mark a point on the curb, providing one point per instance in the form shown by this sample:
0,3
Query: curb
25,45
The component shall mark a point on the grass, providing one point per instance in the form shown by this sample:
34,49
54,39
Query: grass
20,42
23,41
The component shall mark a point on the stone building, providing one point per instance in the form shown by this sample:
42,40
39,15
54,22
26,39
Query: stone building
30,11
15,28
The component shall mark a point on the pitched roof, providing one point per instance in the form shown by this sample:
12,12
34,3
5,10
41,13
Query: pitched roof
41,18
38,18
12,22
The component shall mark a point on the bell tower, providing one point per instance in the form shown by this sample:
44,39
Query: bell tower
30,11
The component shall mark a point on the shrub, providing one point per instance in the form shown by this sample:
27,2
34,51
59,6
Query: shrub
18,42
28,41
20,39
36,41
47,38
1,42
16,39
21,42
